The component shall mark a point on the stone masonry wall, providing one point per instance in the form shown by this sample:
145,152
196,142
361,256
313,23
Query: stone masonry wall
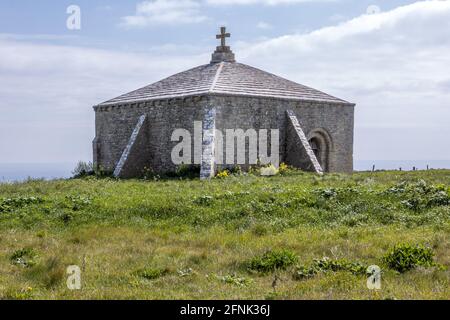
114,125
266,113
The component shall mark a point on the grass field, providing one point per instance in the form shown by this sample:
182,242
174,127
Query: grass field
242,237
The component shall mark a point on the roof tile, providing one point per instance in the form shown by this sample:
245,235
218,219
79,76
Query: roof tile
224,78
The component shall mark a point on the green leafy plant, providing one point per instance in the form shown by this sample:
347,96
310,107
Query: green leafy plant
236,170
188,171
78,202
326,264
152,273
328,193
7,205
25,257
185,272
235,280
66,217
272,260
149,174
83,169
204,200
420,195
405,257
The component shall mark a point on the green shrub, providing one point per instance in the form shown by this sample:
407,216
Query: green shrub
420,195
235,280
65,217
24,257
204,200
78,202
83,169
236,170
343,194
326,264
151,273
7,205
188,171
404,257
328,193
185,272
149,174
273,260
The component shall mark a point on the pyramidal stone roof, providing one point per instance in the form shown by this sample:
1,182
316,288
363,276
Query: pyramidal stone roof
224,76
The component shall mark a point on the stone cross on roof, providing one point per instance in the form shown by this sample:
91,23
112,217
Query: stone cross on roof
223,52
222,36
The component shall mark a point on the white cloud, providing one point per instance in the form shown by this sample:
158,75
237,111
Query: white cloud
37,37
47,93
395,65
166,12
262,2
264,25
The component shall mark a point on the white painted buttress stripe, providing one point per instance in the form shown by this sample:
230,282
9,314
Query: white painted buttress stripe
126,152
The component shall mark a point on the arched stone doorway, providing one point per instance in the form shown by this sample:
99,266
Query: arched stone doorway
321,143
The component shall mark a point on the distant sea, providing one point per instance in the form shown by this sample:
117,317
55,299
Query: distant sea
10,172
406,165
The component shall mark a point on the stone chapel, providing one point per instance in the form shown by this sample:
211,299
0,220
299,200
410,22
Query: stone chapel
135,130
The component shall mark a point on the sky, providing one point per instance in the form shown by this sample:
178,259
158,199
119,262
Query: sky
391,58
